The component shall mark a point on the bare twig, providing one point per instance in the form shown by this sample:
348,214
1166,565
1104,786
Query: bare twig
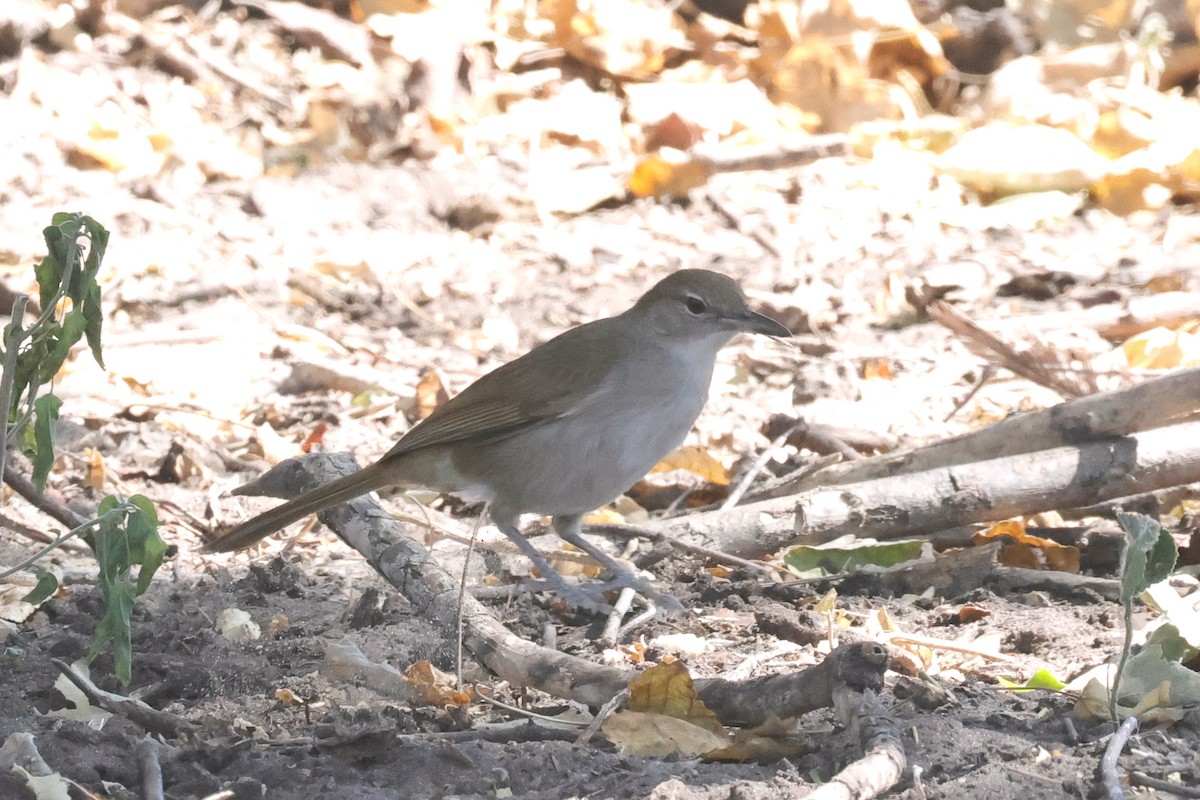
24,487
135,711
738,491
1109,775
148,764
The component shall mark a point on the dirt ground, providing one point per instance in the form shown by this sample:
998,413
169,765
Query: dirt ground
213,328
221,300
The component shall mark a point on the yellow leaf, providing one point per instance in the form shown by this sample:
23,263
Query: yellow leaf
697,461
438,686
431,393
668,173
1161,348
665,716
667,688
94,479
1020,549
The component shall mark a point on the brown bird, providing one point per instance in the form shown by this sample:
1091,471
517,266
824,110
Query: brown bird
563,429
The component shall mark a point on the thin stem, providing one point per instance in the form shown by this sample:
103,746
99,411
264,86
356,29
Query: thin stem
120,510
9,376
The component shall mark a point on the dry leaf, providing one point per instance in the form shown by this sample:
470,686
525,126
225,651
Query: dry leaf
658,735
1021,549
716,109
94,477
237,626
1161,348
626,38
668,173
1001,158
696,460
438,686
667,688
274,447
431,393
846,62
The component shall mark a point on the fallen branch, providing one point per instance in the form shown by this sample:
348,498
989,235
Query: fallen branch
884,760
135,711
936,499
1147,405
404,562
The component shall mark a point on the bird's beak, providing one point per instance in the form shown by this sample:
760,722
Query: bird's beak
752,322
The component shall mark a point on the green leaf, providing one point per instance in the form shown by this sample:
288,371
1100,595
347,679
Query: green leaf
94,316
99,246
62,339
130,537
45,410
114,628
813,561
1042,679
49,277
147,547
47,585
1150,554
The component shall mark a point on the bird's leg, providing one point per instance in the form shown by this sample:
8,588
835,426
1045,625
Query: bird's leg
570,529
577,596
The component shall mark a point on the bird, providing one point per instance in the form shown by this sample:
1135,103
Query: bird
564,429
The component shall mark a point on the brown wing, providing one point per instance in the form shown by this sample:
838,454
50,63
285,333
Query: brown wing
553,379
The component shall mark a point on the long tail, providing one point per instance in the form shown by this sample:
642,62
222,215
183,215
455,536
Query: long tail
266,523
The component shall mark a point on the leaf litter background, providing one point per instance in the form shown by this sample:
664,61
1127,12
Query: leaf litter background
326,218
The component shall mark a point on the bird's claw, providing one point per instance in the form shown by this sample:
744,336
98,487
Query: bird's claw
587,599
667,604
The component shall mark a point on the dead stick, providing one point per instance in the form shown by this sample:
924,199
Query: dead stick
936,499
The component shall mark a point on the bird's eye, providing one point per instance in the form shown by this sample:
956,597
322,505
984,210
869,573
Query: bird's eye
695,305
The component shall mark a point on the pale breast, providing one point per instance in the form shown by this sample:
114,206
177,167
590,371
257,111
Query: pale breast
586,458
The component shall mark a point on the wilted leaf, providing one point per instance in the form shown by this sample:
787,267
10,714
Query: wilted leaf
1181,617
45,420
47,585
437,686
1021,549
659,736
1152,688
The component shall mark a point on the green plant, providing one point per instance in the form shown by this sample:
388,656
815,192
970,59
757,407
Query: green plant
124,535
1149,557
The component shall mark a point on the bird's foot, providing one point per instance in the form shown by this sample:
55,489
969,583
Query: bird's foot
588,599
667,604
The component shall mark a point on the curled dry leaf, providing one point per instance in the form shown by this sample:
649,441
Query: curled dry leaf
1031,552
